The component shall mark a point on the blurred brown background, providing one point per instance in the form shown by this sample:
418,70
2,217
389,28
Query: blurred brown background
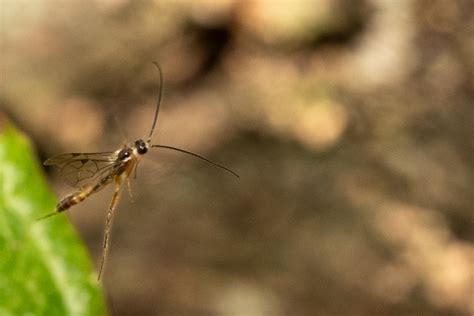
348,121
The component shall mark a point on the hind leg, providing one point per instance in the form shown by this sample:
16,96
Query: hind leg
108,224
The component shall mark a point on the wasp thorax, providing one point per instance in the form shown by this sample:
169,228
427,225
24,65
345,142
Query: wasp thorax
124,154
141,146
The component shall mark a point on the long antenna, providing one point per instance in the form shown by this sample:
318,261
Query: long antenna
197,156
160,96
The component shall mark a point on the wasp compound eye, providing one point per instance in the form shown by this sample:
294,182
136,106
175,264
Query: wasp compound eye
124,154
141,146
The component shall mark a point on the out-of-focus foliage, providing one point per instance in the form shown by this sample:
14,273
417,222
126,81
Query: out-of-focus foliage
44,269
350,123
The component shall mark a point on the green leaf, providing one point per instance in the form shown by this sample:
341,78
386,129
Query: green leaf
44,269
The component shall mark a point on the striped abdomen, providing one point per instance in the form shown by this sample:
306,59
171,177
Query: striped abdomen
73,199
79,196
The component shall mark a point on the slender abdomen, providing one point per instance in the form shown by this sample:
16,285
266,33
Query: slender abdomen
73,199
79,196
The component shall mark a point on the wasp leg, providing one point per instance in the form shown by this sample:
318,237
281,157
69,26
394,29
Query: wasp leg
135,171
108,222
130,192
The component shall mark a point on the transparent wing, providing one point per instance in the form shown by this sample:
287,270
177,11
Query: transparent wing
79,169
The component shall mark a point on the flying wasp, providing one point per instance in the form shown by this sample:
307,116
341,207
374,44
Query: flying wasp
91,172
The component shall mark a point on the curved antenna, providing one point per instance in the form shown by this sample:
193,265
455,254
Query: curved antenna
160,96
198,156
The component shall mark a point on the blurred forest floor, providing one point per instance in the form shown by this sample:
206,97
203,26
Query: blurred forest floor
350,123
